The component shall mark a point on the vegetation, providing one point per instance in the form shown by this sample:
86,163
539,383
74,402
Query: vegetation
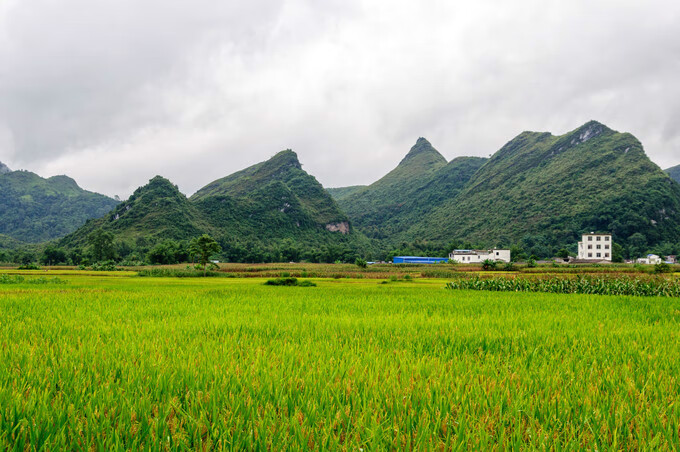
272,211
538,194
546,190
34,209
147,363
289,282
19,279
204,247
423,180
595,285
674,173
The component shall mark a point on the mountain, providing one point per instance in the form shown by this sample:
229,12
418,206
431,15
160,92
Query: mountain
4,169
155,212
674,173
34,209
280,189
340,193
546,190
273,210
422,181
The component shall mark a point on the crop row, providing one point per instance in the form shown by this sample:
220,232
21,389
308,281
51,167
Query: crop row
594,285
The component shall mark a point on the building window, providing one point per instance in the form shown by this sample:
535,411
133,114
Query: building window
606,254
599,247
599,254
598,238
590,247
606,239
590,238
590,254
606,247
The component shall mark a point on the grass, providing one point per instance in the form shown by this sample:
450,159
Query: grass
132,363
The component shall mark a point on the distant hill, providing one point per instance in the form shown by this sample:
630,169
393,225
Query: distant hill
34,209
155,212
343,192
546,190
4,169
273,210
423,180
674,173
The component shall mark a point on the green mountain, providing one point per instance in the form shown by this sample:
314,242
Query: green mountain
271,211
674,173
544,191
279,185
423,180
155,212
34,209
4,169
343,192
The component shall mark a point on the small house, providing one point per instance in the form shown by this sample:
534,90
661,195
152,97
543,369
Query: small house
479,256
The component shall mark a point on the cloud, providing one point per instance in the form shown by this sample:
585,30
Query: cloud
114,92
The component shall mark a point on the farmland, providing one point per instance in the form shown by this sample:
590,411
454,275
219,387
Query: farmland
115,361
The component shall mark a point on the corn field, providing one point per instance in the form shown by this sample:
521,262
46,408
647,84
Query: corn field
591,285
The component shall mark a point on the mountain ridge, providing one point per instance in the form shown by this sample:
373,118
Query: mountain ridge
35,209
674,173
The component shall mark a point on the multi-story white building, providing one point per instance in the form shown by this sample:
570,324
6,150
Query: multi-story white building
595,247
479,256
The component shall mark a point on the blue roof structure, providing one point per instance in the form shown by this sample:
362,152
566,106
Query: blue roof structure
418,260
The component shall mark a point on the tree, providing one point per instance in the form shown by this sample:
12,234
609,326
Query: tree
617,253
204,247
563,253
53,255
361,263
102,245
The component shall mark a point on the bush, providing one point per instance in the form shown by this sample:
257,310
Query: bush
176,273
531,263
289,282
106,266
488,265
662,267
29,266
361,263
509,267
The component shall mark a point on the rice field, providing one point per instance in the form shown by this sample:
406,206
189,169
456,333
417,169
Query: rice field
112,361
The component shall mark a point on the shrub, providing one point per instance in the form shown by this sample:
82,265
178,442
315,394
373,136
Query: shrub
361,263
289,282
29,266
662,267
531,263
488,265
106,266
509,267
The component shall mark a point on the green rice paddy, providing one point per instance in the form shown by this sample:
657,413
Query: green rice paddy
118,362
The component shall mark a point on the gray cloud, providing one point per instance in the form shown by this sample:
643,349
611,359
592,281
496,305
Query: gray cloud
113,92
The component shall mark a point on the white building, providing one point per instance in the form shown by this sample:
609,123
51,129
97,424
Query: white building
595,247
479,256
652,259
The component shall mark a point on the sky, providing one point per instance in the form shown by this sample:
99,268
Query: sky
114,92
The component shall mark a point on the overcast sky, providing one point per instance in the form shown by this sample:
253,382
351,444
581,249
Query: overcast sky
113,92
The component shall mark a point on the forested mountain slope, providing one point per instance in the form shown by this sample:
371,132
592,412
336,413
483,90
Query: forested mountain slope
423,180
674,173
548,189
34,209
273,210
